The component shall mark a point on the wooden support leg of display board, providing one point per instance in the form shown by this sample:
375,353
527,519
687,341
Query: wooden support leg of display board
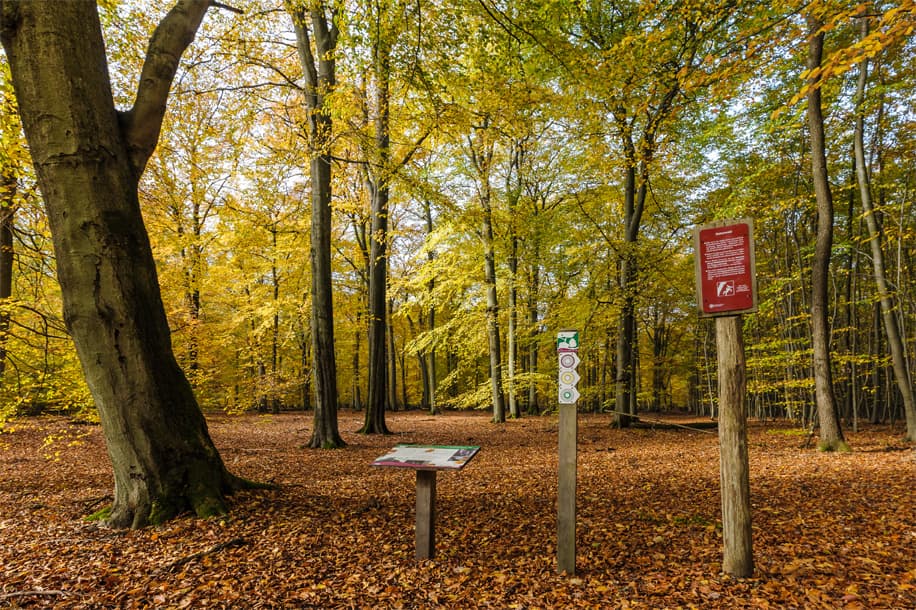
426,514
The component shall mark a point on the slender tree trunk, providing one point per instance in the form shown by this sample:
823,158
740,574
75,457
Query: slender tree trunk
421,366
831,434
888,314
193,255
305,348
514,190
431,320
496,384
392,361
89,159
318,67
514,410
357,346
482,157
851,312
402,363
275,329
8,189
534,280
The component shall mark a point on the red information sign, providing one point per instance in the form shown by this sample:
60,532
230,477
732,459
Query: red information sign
726,282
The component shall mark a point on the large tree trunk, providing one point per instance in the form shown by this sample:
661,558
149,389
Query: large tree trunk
634,203
318,69
378,317
379,386
831,435
325,433
888,313
88,160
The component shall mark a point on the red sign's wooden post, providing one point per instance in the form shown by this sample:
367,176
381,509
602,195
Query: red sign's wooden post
727,288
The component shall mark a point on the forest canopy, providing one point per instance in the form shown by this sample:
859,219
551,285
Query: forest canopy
542,166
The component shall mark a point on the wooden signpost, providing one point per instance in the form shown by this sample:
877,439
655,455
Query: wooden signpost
426,460
568,377
726,288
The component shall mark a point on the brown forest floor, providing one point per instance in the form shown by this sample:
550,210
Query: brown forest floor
830,530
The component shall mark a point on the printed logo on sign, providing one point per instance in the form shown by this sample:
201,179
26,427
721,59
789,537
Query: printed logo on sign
725,289
569,378
568,396
569,361
567,340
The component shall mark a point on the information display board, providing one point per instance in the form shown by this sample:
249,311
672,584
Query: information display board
725,268
426,460
427,457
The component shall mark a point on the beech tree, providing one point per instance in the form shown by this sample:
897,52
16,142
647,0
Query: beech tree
383,162
831,434
10,152
875,238
315,27
587,136
89,158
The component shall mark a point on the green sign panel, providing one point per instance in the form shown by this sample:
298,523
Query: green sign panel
567,340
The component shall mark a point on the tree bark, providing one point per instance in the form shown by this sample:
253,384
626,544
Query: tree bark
512,346
89,159
534,282
514,193
377,181
320,80
392,360
482,157
831,434
888,309
430,320
634,203
8,188
378,317
496,382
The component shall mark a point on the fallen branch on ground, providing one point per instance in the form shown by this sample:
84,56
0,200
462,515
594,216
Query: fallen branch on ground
216,548
30,593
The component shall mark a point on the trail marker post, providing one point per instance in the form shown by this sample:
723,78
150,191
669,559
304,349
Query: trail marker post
727,288
568,394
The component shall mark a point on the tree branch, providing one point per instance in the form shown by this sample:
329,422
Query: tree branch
35,593
226,7
216,548
172,36
304,45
